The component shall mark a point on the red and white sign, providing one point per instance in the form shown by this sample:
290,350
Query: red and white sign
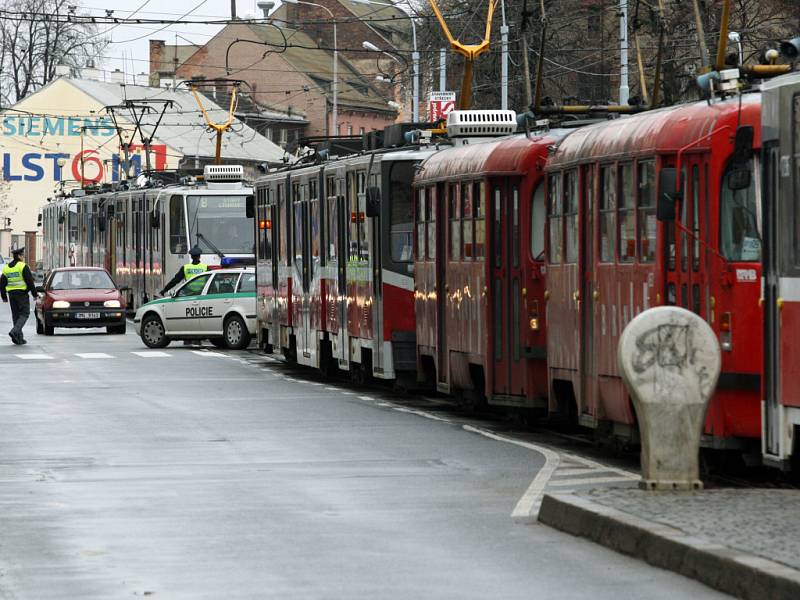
440,104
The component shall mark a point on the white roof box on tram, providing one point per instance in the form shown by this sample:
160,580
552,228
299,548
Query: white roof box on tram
223,173
481,123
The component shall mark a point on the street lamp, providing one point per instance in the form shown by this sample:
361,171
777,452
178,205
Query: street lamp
335,61
265,7
414,56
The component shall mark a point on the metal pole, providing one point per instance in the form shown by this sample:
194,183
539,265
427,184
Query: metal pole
443,69
233,10
624,90
701,34
335,79
415,59
503,59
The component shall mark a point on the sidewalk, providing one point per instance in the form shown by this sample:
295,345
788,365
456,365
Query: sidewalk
745,542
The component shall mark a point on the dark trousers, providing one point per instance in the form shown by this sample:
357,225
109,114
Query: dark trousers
20,310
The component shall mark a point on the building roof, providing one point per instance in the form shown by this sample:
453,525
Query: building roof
183,127
389,18
317,64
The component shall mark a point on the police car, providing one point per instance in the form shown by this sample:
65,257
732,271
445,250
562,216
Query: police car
217,305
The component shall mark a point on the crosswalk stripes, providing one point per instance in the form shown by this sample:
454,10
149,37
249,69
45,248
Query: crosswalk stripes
93,355
575,471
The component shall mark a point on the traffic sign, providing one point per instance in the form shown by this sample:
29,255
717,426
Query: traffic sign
440,104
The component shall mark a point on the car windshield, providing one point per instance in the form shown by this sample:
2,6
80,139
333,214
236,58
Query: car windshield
81,280
219,223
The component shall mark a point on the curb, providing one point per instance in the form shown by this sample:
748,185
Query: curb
731,571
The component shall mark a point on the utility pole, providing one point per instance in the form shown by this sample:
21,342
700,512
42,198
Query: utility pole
443,69
526,68
624,90
503,58
701,34
233,10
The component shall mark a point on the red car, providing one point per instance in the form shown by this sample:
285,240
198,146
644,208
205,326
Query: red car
80,297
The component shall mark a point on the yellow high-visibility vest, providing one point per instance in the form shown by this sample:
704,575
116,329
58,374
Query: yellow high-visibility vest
191,269
16,282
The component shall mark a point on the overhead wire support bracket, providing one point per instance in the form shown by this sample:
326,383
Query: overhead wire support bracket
219,128
469,51
137,109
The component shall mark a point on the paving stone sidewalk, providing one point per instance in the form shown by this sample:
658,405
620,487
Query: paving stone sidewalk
745,542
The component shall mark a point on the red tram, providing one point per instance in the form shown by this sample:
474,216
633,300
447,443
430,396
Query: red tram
650,210
479,250
334,263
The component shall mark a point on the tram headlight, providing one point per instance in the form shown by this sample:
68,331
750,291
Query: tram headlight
111,304
60,304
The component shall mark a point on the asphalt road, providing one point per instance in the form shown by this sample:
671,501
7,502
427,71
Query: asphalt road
205,474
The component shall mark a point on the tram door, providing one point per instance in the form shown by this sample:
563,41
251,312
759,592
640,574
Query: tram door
772,329
586,301
506,289
301,253
442,291
685,259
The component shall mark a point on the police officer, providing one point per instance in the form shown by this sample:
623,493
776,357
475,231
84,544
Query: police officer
15,284
188,270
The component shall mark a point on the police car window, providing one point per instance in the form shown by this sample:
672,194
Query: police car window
193,287
247,284
223,283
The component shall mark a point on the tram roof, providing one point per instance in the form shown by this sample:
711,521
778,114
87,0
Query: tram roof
512,155
662,131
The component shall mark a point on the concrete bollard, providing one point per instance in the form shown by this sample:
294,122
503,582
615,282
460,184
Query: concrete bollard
670,360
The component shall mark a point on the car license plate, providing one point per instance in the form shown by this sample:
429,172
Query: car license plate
94,315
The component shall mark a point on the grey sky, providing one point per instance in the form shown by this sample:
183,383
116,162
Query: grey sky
135,52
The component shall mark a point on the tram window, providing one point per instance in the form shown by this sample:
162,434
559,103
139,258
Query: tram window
420,223
282,222
571,216
515,226
685,223
647,211
608,213
554,201
479,212
430,212
177,226
497,230
627,214
467,250
315,231
401,197
455,222
538,215
333,227
739,237
696,218
298,233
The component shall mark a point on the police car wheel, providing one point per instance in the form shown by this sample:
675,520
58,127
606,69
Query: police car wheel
153,334
236,335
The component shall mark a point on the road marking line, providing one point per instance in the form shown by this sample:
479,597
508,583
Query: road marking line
34,356
93,355
588,480
599,466
562,472
528,505
367,398
151,354
207,353
420,413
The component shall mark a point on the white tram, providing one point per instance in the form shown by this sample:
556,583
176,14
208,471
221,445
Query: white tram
143,235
